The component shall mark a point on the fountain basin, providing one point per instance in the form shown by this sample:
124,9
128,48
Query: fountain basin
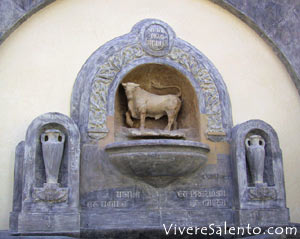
157,162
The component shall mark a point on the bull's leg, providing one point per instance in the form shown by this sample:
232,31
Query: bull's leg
128,119
170,120
143,118
175,124
175,116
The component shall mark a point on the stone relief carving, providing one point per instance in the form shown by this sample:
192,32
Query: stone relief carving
156,38
207,85
255,148
262,194
105,76
53,141
50,177
255,151
97,127
142,104
51,193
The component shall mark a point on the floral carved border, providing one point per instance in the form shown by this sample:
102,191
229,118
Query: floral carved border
97,127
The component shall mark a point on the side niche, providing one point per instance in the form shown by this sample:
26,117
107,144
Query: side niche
159,80
47,169
258,174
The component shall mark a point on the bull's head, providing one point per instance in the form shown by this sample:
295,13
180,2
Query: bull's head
130,88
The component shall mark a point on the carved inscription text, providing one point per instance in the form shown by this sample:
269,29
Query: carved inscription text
156,37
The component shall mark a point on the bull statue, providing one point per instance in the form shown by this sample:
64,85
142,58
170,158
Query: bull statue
142,104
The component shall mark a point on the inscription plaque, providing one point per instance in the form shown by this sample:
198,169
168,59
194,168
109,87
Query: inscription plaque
156,37
201,193
203,198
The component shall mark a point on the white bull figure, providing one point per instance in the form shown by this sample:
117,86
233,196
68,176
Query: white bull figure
142,104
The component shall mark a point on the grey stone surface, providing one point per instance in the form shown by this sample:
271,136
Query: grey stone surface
262,204
18,186
278,23
15,12
120,202
157,162
7,235
148,234
45,203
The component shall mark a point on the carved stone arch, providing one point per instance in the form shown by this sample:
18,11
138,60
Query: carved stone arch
91,99
147,71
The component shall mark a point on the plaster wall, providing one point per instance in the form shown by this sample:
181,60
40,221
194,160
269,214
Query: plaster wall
40,60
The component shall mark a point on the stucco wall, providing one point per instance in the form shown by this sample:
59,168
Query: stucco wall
40,60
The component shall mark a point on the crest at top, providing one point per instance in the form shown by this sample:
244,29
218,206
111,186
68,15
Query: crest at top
156,37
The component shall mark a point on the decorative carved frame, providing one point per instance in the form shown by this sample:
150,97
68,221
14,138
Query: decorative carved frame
72,152
47,216
271,208
97,82
238,154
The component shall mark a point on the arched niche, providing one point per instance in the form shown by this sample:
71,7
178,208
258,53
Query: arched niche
93,97
147,76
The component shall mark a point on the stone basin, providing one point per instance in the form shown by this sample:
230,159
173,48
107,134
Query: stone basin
157,162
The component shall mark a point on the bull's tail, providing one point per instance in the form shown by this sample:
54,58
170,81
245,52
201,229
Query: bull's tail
158,86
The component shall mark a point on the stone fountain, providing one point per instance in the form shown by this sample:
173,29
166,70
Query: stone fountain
150,142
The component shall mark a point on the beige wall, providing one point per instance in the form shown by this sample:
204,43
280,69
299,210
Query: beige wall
40,60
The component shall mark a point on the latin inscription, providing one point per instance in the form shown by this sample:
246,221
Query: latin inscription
127,194
156,37
215,198
107,204
115,199
201,194
209,203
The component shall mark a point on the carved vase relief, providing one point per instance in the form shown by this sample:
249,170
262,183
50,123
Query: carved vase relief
53,147
255,147
53,142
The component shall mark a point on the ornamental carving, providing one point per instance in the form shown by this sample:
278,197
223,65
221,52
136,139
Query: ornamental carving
207,85
97,127
50,193
262,194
